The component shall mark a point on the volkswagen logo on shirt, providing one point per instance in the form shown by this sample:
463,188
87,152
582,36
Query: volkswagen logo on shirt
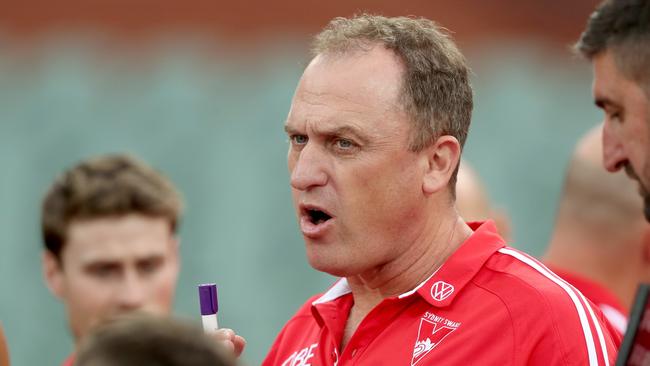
441,290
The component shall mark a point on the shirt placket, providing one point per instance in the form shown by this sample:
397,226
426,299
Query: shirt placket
332,317
371,327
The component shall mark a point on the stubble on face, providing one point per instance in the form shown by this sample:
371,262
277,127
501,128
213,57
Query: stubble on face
643,189
626,135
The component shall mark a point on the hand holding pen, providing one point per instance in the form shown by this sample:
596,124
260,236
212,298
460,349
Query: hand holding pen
209,305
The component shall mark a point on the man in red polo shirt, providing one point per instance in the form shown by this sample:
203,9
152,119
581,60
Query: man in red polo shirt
376,128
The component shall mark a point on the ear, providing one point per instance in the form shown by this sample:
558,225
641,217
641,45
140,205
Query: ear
442,158
53,274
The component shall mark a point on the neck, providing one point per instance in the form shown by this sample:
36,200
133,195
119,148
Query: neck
412,267
425,255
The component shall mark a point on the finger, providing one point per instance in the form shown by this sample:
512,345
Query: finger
225,334
239,343
228,345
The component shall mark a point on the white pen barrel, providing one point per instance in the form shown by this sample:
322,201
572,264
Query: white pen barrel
210,324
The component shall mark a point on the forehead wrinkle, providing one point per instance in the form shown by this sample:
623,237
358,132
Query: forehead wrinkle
336,125
333,111
316,98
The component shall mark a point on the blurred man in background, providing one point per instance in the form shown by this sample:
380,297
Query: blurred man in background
617,41
376,129
601,241
109,228
151,340
473,201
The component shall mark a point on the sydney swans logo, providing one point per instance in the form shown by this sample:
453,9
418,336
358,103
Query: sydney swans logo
433,329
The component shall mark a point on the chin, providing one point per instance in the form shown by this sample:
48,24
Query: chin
79,333
331,266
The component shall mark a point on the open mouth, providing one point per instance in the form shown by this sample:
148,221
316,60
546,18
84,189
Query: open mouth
316,216
314,221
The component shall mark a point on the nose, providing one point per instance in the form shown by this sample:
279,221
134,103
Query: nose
613,152
131,294
307,168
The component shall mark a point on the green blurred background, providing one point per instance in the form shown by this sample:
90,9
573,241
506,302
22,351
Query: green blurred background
200,90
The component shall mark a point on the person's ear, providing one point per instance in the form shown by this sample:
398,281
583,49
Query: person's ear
53,274
442,160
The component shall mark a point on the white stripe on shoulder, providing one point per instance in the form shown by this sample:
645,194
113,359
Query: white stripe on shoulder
584,322
615,318
599,331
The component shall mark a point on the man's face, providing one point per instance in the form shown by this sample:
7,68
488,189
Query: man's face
110,266
626,132
356,186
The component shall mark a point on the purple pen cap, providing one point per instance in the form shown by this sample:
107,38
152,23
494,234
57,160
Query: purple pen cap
208,299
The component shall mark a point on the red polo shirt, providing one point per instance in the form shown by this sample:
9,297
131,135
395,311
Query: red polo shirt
598,294
487,305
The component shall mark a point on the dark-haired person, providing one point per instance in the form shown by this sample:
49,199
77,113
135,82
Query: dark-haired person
376,129
109,227
145,340
617,41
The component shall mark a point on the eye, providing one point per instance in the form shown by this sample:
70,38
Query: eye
614,115
344,143
298,139
104,270
150,265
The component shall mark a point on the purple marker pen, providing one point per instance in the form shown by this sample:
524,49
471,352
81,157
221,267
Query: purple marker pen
209,307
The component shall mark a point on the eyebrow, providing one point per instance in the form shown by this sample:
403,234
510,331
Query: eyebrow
338,131
602,102
102,263
346,130
120,260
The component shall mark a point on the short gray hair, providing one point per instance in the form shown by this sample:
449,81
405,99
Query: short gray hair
436,92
